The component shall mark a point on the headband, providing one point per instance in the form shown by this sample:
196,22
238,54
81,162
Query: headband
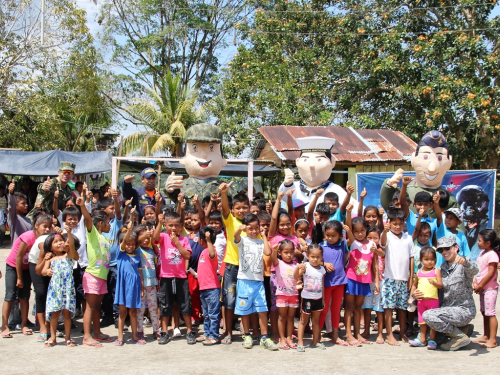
299,220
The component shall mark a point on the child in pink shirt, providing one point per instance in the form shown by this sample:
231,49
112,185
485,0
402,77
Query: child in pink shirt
209,283
486,284
174,287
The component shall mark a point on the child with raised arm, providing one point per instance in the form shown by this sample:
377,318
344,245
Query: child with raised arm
209,287
174,287
96,274
251,296
332,199
129,284
232,217
398,273
59,258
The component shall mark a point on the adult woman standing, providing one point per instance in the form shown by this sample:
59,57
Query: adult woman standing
457,308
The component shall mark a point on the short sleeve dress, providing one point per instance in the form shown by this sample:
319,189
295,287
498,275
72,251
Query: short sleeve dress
128,280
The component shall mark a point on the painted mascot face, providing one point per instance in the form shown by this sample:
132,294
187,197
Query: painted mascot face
203,159
430,165
314,168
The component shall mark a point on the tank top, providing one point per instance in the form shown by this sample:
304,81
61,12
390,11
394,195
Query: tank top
429,290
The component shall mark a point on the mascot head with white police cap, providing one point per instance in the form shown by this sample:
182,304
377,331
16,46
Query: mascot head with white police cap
315,162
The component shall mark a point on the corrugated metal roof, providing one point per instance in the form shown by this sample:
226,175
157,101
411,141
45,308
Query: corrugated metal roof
360,145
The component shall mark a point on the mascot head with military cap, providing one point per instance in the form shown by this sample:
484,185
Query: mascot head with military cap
431,160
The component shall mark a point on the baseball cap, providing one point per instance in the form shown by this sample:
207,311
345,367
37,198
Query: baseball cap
455,211
446,241
297,203
148,172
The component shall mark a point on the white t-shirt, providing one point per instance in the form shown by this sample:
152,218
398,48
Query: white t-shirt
35,249
251,264
80,231
313,282
220,248
398,252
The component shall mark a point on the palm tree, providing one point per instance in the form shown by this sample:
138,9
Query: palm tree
167,118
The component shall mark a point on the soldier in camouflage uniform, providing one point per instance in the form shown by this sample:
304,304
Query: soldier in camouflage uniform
47,189
203,163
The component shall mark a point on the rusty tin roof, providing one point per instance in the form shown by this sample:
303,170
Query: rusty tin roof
352,145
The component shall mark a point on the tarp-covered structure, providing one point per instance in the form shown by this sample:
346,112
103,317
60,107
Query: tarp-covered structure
46,163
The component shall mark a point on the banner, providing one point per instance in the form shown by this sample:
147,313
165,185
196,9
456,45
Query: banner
474,190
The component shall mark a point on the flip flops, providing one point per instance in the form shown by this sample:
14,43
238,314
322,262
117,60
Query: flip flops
138,342
416,343
104,339
42,337
301,349
284,347
7,335
341,343
319,345
27,332
118,342
71,343
50,344
227,340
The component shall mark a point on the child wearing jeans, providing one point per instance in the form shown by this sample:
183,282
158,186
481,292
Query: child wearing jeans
398,273
251,295
209,283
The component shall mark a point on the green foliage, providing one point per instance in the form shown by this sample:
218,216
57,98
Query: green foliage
413,66
166,119
51,94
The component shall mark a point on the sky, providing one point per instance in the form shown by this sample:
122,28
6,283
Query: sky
226,55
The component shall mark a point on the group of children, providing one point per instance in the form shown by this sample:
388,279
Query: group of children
226,257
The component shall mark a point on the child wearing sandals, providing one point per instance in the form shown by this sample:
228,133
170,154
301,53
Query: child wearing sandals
428,281
129,284
58,264
313,274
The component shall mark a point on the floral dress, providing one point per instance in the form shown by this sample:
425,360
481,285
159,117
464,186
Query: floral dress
61,293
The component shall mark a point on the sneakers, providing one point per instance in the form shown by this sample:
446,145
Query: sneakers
268,343
191,338
468,329
147,322
457,340
248,342
177,332
164,337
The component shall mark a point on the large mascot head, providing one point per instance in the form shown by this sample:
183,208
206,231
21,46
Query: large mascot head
203,157
431,160
316,162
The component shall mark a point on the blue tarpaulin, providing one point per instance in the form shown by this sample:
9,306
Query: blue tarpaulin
46,163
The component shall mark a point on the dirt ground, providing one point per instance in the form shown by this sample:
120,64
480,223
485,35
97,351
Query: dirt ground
23,355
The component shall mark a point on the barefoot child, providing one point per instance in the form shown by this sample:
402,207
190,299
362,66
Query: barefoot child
313,274
96,273
486,284
287,295
335,255
362,270
398,274
129,286
59,260
428,281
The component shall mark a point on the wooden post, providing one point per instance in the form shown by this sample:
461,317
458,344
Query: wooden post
118,163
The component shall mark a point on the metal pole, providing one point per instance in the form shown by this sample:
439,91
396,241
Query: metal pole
42,8
250,180
114,172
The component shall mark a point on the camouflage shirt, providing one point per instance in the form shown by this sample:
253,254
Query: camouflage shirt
47,197
204,187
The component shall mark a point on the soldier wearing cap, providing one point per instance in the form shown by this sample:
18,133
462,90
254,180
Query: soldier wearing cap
203,161
431,161
144,195
458,307
47,189
315,165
